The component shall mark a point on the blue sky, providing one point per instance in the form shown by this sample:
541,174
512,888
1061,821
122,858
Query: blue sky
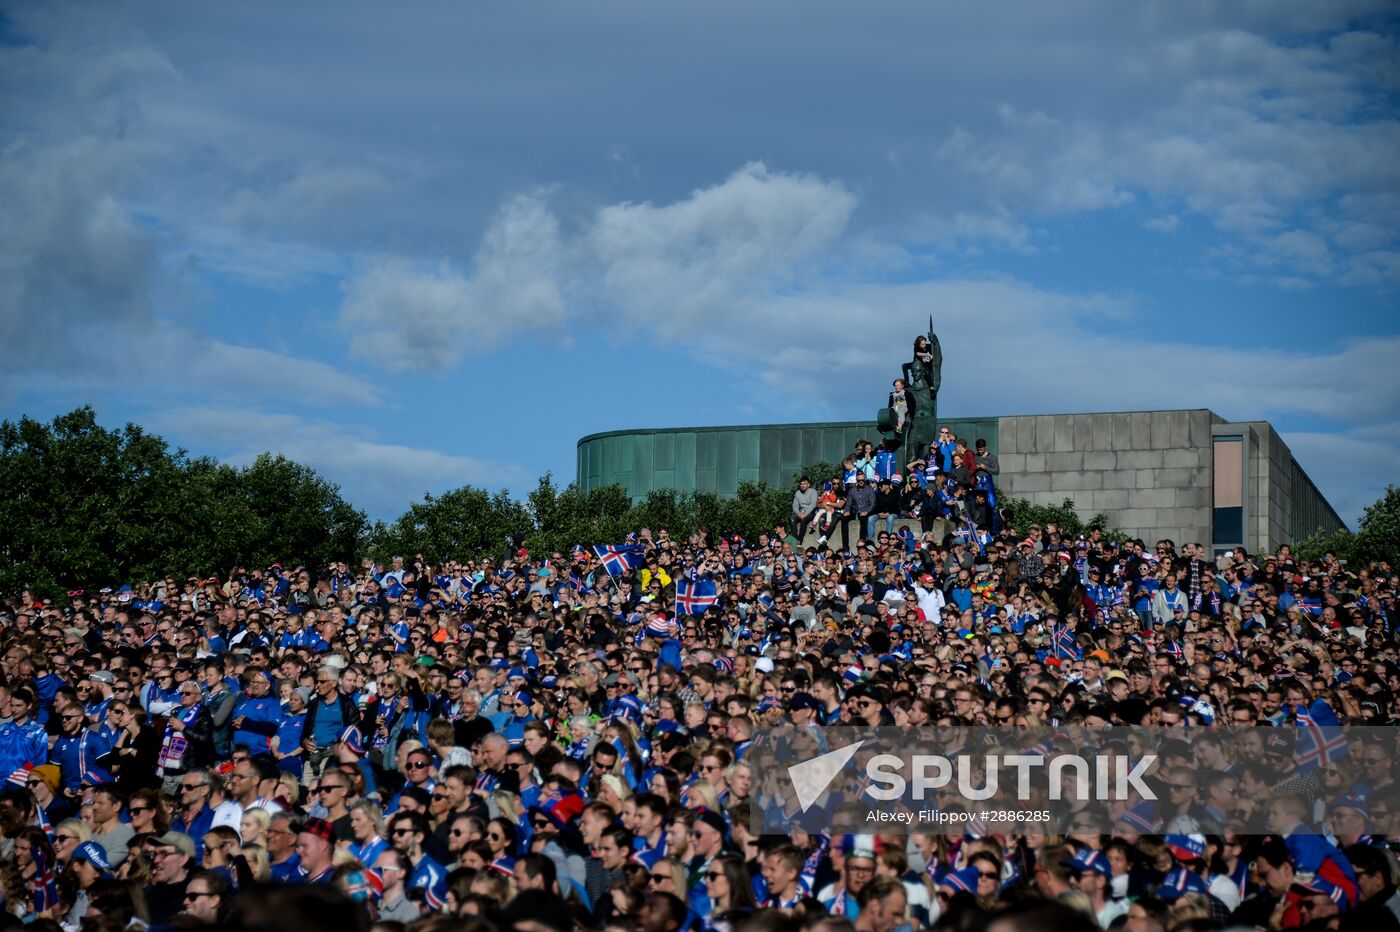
435,245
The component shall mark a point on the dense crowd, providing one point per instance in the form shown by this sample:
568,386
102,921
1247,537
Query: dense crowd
558,740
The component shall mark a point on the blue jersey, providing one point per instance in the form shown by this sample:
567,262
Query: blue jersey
289,736
368,852
22,744
428,875
288,871
261,717
76,756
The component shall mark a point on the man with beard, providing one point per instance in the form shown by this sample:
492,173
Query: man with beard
407,833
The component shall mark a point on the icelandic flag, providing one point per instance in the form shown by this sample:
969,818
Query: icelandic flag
693,597
1064,644
44,886
1322,740
618,561
906,537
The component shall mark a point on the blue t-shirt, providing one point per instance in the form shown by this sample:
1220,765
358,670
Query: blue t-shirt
329,724
289,734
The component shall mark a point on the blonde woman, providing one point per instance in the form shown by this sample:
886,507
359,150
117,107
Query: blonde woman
507,803
367,824
69,834
258,862
613,791
700,795
252,828
668,876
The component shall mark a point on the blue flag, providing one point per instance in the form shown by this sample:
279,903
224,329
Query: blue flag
1322,739
619,561
694,596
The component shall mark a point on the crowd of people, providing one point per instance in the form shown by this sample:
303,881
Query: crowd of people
553,741
953,482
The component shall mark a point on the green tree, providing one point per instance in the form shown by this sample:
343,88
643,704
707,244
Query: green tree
563,518
666,508
1378,534
1342,542
1377,537
83,504
87,506
460,524
295,514
755,509
819,472
1024,514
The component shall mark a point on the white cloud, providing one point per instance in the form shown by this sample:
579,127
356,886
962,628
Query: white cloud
417,316
701,257
1166,223
378,476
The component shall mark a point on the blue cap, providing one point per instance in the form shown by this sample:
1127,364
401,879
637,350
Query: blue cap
1178,881
1186,847
94,854
962,881
1089,860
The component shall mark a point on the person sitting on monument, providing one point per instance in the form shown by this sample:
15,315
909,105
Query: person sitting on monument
865,461
849,471
902,405
827,505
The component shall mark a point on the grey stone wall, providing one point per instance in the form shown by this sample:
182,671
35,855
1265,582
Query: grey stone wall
1149,472
1270,489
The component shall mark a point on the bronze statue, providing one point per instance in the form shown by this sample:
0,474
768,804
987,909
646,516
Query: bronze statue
922,375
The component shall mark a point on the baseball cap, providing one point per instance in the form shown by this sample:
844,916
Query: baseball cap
177,840
94,854
1088,860
1186,847
353,741
1179,880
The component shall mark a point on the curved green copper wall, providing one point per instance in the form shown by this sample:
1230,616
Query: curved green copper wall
717,459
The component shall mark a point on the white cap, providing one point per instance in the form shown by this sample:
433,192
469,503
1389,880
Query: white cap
763,664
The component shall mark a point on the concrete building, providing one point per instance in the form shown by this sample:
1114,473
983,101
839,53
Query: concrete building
1186,475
